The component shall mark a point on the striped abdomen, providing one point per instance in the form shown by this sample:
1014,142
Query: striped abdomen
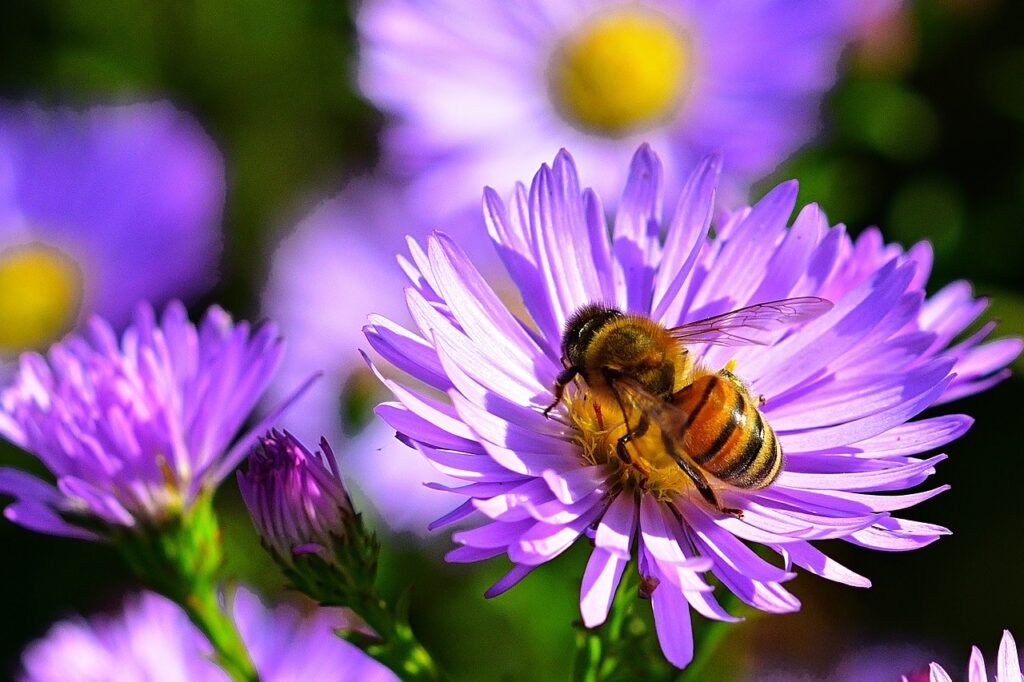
726,435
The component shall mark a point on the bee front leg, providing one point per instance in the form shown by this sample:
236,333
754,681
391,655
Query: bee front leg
566,375
703,487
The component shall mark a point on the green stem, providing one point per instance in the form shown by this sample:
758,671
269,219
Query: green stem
181,558
204,609
397,647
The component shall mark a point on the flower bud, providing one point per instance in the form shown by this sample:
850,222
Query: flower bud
305,519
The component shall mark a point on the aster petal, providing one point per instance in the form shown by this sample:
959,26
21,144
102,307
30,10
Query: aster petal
672,622
515,412
416,427
572,485
983,360
843,501
467,467
493,429
976,667
770,597
561,261
233,456
814,561
789,261
545,541
950,310
961,389
802,355
937,674
637,229
554,512
475,490
618,525
509,233
1007,662
454,516
731,551
884,479
857,397
790,523
686,235
99,502
914,437
897,535
739,267
493,535
36,505
468,555
510,380
408,352
482,316
509,580
861,429
600,580
441,415
660,541
600,246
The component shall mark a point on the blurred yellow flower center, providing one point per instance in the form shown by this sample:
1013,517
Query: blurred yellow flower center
40,294
621,72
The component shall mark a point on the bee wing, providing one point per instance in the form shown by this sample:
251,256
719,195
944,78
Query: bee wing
753,325
669,417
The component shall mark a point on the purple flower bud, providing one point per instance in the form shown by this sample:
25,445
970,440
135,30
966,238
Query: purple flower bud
296,498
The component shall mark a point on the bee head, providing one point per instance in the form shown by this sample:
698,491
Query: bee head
581,329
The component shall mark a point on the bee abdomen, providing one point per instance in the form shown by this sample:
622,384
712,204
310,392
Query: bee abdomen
727,435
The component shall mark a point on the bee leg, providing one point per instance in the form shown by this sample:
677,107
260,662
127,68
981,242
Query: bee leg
703,487
566,375
638,432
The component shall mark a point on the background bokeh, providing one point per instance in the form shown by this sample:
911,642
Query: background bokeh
924,136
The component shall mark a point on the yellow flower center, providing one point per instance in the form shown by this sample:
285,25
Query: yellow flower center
40,296
598,429
621,72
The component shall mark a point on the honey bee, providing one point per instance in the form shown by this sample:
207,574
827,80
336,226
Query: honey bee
709,423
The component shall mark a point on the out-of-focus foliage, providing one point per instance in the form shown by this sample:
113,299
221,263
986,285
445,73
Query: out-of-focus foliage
924,137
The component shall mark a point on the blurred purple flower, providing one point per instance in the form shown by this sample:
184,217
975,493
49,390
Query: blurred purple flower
134,429
295,497
491,89
860,664
99,210
327,276
152,639
1007,666
840,389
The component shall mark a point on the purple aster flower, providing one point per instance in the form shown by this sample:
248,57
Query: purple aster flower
840,390
99,210
1007,666
599,78
153,640
334,269
134,429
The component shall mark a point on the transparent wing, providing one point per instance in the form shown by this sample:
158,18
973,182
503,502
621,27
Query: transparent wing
753,325
668,416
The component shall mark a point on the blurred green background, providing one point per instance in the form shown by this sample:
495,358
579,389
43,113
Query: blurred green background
924,136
